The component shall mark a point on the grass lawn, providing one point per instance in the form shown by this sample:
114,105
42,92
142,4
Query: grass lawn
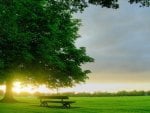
139,104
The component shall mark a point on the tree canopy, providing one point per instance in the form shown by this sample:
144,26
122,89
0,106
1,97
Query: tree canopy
114,3
39,38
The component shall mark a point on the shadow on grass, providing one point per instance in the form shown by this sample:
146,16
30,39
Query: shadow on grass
55,107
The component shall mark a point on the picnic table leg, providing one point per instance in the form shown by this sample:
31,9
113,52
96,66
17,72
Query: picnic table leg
66,105
63,105
44,104
69,105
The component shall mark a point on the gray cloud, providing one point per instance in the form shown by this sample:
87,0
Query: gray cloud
118,40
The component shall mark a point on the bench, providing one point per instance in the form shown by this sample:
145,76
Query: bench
44,100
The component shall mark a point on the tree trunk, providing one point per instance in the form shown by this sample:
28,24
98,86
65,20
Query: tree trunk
8,97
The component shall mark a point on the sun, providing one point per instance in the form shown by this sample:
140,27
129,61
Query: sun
30,88
17,87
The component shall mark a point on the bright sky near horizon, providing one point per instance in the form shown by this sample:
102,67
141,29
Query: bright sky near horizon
88,87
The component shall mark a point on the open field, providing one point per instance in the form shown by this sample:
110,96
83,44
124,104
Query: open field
136,104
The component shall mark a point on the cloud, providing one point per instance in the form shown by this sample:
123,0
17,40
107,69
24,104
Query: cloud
118,40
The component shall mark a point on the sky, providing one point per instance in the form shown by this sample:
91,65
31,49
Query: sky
118,40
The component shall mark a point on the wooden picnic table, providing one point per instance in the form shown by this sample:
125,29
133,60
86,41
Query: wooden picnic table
64,100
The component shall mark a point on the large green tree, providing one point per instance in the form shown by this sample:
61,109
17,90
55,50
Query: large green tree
37,40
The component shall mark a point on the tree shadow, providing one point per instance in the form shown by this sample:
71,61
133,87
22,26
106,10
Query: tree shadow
56,107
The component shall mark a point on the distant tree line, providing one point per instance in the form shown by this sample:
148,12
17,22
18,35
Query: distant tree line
108,94
85,94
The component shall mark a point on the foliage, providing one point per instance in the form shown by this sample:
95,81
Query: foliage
38,38
114,3
85,94
108,94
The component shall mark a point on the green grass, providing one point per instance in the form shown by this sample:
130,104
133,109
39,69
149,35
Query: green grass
139,104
